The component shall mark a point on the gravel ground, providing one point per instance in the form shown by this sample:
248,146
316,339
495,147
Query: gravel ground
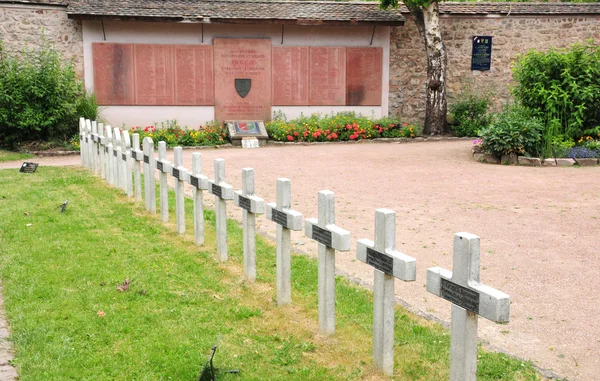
537,229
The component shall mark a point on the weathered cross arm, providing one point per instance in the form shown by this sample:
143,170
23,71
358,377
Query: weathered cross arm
198,181
391,262
332,236
288,218
164,166
180,173
222,190
252,204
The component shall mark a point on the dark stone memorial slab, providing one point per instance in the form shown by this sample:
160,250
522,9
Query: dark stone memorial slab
459,295
290,75
364,67
242,59
28,167
279,217
481,58
113,73
194,84
154,75
380,261
245,203
321,235
327,76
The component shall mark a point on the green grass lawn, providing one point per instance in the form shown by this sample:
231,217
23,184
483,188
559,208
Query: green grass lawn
68,321
12,156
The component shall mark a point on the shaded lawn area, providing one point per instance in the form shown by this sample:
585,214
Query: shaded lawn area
12,156
69,321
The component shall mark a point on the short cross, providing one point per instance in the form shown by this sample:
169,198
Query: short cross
286,220
199,182
102,149
181,175
82,141
164,169
251,206
126,156
330,238
222,192
389,264
138,157
110,169
469,298
95,147
88,142
149,181
118,170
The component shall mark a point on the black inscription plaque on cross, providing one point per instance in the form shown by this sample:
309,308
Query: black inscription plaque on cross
321,235
105,149
146,159
380,261
159,165
115,153
194,181
245,203
176,173
123,157
134,155
216,190
461,296
279,217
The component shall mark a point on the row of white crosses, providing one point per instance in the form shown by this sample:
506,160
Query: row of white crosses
111,156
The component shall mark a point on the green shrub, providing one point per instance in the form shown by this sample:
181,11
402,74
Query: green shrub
38,96
87,106
174,135
513,131
562,84
469,112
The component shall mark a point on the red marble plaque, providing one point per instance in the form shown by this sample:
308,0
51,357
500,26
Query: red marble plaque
290,76
113,73
154,75
246,62
327,76
363,79
194,85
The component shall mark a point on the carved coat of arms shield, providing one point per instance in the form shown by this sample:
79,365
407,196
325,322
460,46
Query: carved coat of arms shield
242,86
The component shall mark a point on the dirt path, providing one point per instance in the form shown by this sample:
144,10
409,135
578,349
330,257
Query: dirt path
538,229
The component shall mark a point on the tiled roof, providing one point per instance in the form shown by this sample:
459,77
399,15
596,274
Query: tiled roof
240,11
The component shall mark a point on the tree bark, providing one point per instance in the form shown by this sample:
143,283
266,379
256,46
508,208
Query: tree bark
427,20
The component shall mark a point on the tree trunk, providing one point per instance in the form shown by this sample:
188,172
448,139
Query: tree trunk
427,20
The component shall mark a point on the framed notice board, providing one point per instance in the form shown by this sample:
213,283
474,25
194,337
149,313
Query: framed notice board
481,58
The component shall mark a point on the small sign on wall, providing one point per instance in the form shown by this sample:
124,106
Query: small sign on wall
481,58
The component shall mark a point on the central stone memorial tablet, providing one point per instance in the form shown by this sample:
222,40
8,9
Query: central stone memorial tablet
194,85
242,79
327,76
290,75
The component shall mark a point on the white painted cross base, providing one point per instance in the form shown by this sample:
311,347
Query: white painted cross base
94,142
164,169
138,156
222,192
251,206
200,183
88,143
469,298
286,220
330,238
389,264
149,181
181,175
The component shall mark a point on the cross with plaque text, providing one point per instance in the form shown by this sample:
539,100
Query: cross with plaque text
117,172
251,206
127,165
469,299
149,181
110,169
82,141
94,142
102,150
138,157
88,143
286,220
330,238
181,175
164,170
200,183
389,264
222,192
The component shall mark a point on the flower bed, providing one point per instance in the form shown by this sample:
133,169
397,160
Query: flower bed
175,135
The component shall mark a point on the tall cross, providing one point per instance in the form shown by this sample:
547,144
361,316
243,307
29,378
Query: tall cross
88,143
181,175
117,158
222,192
110,169
82,141
286,220
251,206
389,264
102,150
469,299
149,181
330,238
164,169
127,164
94,144
200,183
138,157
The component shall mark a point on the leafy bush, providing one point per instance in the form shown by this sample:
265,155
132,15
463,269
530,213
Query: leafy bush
469,112
39,94
562,84
174,135
337,127
513,131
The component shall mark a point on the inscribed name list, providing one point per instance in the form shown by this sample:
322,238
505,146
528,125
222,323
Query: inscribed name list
249,62
290,76
113,73
327,76
194,85
363,79
154,79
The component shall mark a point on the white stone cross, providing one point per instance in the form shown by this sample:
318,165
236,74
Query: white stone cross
222,192
127,163
138,157
82,141
469,299
110,169
389,264
251,206
287,220
330,238
164,168
181,175
117,158
88,143
102,150
200,183
149,180
94,144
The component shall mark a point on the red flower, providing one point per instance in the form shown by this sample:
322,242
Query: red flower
405,125
328,137
348,126
295,133
334,135
327,132
305,133
352,137
290,137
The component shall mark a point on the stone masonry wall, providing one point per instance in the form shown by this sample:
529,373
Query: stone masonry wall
26,25
511,35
